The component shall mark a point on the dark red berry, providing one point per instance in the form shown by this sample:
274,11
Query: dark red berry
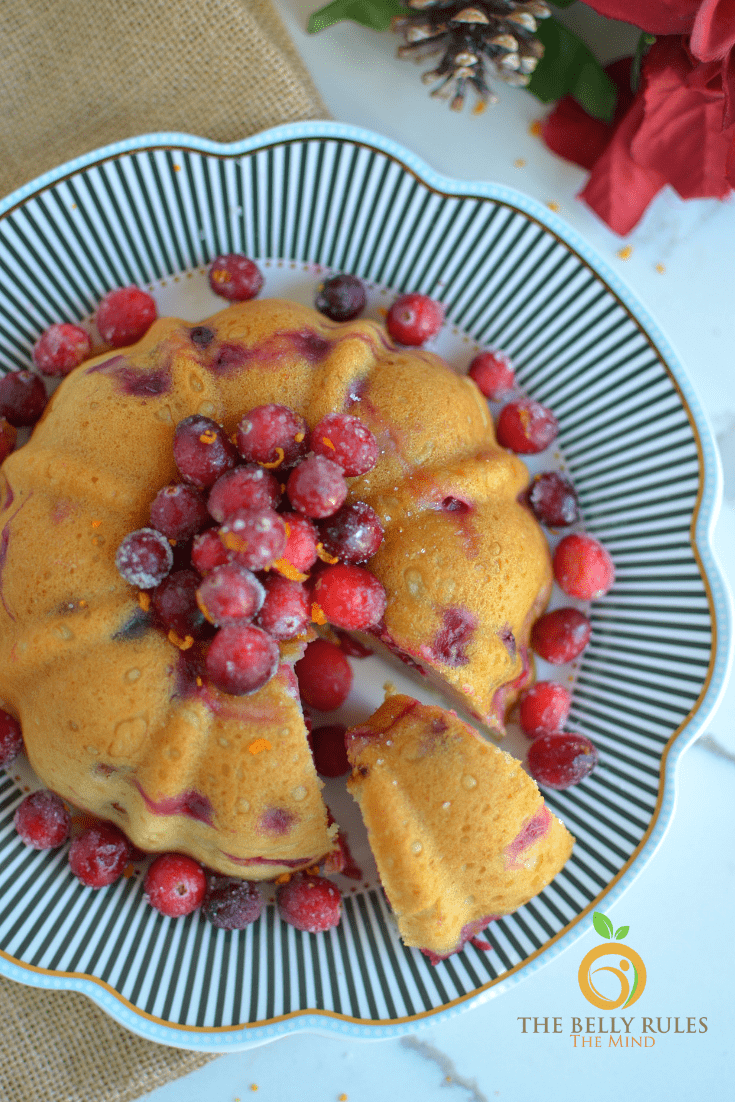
99,855
526,427
144,558
414,318
347,441
246,487
553,500
61,348
350,597
544,708
232,904
324,675
286,609
175,884
8,437
23,398
316,487
42,820
561,636
230,594
11,738
241,659
561,760
328,750
208,551
341,297
310,903
582,567
202,450
493,373
273,436
235,277
179,511
174,602
353,534
125,315
301,542
254,537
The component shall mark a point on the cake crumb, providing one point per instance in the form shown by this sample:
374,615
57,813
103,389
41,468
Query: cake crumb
519,162
625,253
389,689
553,205
342,1098
536,128
660,268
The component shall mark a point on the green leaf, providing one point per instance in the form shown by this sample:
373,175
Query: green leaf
644,43
621,932
376,14
569,68
602,924
562,3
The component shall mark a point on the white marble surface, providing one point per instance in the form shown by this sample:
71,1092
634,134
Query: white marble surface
680,905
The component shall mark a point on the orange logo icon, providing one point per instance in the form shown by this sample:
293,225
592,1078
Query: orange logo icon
625,980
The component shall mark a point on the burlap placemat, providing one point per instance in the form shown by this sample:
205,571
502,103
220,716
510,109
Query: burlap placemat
76,75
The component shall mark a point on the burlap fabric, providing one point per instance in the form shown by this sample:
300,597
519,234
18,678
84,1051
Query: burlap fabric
76,75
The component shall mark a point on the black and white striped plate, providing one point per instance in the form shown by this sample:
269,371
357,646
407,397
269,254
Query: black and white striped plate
313,197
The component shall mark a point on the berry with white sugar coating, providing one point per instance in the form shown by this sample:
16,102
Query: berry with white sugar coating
125,315
254,537
341,297
11,738
353,534
241,659
235,277
350,597
324,676
317,487
232,904
582,567
543,709
245,487
99,854
144,558
309,903
493,373
347,441
179,511
175,884
42,820
23,398
285,611
272,435
61,348
560,760
526,427
414,319
230,594
561,636
202,450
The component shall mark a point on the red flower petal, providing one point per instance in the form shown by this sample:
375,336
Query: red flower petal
713,34
573,134
655,16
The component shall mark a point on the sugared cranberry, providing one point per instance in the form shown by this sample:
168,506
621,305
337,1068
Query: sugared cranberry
353,534
230,594
254,537
582,567
316,487
561,760
144,558
493,373
310,903
324,675
341,297
175,884
286,608
61,348
301,542
553,499
179,511
125,315
414,318
235,277
208,551
241,659
202,450
22,398
246,487
350,597
42,820
526,427
11,738
273,436
233,904
560,636
99,855
347,441
328,750
544,708
174,602
8,437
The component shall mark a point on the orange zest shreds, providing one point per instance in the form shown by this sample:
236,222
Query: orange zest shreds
96,523
199,682
625,253
276,462
177,168
259,745
328,443
283,878
535,128
553,205
299,437
383,311
283,566
342,1098
182,644
220,275
128,871
324,554
233,542
172,542
479,108
317,615
82,603
208,437
144,600
95,540
313,870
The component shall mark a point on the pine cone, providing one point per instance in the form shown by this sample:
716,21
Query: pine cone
470,36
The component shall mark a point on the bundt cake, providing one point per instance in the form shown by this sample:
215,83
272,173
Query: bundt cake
459,832
116,718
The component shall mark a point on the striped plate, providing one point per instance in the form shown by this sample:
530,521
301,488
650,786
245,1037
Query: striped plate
302,199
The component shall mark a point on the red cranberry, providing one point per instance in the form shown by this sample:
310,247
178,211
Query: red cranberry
235,277
273,436
11,738
174,602
301,542
233,904
61,348
350,597
341,297
353,534
414,318
493,373
208,551
254,537
246,487
42,820
324,675
175,884
561,760
23,398
310,903
526,427
179,511
125,315
347,441
328,750
286,609
316,487
553,500
241,659
582,567
202,450
8,437
144,558
99,855
230,594
561,636
544,708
